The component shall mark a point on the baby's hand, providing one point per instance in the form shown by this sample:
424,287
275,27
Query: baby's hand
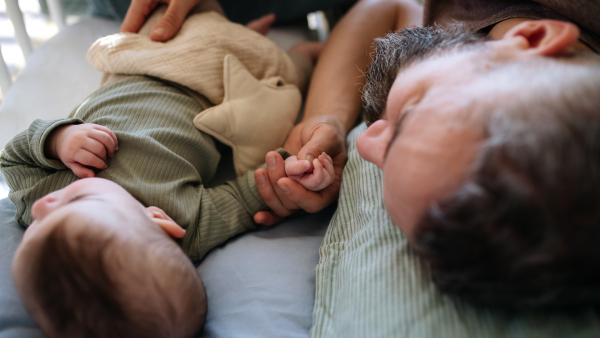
82,145
322,175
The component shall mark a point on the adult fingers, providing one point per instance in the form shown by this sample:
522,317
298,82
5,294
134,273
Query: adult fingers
136,15
79,170
276,169
325,136
307,200
109,133
268,194
262,24
172,20
267,218
87,158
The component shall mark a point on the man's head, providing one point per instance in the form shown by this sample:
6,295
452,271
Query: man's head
491,158
96,263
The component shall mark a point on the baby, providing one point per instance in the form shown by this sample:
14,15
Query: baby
98,256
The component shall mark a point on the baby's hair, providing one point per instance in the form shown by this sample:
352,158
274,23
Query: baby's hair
94,285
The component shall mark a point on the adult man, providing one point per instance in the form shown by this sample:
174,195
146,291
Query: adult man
487,141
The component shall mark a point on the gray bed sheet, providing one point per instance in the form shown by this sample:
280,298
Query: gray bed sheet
259,284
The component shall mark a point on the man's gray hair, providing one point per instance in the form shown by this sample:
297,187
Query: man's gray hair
400,49
524,229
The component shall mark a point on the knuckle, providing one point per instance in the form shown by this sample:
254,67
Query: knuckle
170,20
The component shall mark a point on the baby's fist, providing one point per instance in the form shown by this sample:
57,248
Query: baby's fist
322,175
80,146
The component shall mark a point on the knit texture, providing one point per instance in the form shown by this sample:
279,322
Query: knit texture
370,283
163,161
242,72
194,57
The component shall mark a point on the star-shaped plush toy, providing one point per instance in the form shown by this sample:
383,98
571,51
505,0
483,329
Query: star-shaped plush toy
255,116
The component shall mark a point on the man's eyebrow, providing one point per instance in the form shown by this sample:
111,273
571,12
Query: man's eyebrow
398,130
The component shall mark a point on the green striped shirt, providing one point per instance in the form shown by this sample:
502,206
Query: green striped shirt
163,161
370,283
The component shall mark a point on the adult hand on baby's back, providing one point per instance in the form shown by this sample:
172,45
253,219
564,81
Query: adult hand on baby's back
283,195
167,26
170,23
80,146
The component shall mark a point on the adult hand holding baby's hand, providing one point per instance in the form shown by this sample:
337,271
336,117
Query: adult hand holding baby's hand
282,194
321,176
82,145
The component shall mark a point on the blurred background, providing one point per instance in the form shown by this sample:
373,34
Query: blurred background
38,26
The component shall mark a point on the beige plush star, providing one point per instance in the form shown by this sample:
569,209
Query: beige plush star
255,116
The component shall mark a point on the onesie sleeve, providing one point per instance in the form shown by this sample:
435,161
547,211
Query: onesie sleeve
25,167
225,211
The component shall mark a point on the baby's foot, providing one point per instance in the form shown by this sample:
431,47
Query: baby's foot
322,175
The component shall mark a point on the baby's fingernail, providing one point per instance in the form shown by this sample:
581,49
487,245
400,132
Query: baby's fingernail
262,180
285,188
310,158
271,162
159,32
306,165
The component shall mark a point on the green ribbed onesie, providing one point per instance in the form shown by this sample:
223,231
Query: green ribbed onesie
163,161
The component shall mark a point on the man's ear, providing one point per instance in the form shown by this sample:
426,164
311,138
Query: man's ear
158,216
545,37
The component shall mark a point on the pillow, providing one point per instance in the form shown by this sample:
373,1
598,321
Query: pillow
370,283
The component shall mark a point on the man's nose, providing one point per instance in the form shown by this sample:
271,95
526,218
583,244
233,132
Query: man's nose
44,206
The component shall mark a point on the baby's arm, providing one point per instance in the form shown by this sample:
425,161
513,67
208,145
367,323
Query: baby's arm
79,146
321,176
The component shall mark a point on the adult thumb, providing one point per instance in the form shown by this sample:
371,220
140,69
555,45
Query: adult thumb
324,139
170,23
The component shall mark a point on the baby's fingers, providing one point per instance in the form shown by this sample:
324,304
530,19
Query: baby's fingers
95,147
295,167
79,170
109,133
106,140
89,159
317,175
328,165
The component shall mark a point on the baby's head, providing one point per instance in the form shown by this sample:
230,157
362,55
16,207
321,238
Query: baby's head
96,263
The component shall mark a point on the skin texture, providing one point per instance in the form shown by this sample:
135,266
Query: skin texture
332,106
94,198
81,145
440,136
171,22
321,176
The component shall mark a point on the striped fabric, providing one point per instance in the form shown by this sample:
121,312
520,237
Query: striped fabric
370,283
